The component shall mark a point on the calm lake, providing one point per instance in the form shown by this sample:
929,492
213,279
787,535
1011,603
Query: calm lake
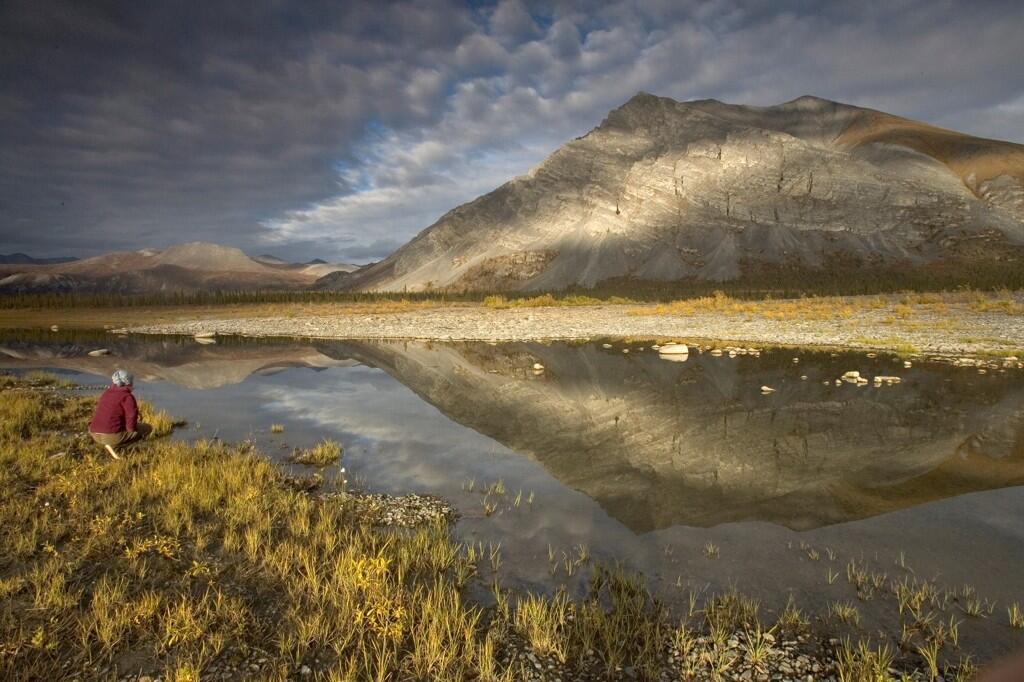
630,458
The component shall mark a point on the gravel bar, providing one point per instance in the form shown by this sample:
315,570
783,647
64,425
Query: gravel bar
977,332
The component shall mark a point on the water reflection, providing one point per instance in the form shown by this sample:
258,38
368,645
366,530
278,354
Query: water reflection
696,443
179,360
656,444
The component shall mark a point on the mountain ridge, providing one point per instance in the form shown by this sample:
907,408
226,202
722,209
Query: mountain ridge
188,267
25,259
663,190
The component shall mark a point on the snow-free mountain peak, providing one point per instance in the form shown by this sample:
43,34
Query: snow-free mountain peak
193,266
664,191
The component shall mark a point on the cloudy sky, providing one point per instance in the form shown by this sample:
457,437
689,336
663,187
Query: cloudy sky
340,129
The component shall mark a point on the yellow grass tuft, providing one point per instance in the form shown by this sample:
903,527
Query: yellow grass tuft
324,453
42,378
163,423
499,301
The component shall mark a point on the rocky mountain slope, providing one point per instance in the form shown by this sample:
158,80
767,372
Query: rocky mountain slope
664,190
188,267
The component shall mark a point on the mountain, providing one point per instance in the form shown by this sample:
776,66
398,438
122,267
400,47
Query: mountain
269,260
195,266
25,259
322,269
664,190
315,268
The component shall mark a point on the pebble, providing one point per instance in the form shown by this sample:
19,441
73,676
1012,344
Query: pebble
402,511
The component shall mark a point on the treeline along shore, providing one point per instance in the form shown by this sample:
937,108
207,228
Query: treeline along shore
768,282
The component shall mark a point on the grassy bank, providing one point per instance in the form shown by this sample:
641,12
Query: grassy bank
184,558
196,561
897,308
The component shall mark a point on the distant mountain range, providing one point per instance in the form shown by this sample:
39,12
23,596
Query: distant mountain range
25,259
665,191
196,266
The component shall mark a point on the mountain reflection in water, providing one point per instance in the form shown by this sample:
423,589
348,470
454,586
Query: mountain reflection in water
696,443
657,443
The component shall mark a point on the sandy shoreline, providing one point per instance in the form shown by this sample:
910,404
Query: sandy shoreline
957,331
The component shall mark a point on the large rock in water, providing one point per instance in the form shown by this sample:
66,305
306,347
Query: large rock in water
666,190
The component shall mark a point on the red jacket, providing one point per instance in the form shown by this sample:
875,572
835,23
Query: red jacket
116,411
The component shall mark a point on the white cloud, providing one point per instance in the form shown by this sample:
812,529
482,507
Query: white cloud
557,83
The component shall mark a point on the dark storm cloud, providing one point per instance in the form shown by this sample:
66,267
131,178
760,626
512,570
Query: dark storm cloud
128,123
340,129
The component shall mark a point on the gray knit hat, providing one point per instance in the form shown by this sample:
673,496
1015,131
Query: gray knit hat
122,377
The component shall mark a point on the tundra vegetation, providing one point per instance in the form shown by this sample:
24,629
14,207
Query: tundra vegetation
767,283
194,560
324,453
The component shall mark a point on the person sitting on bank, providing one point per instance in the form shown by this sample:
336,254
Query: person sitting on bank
116,421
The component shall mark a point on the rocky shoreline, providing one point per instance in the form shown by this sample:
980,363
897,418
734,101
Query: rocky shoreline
957,332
